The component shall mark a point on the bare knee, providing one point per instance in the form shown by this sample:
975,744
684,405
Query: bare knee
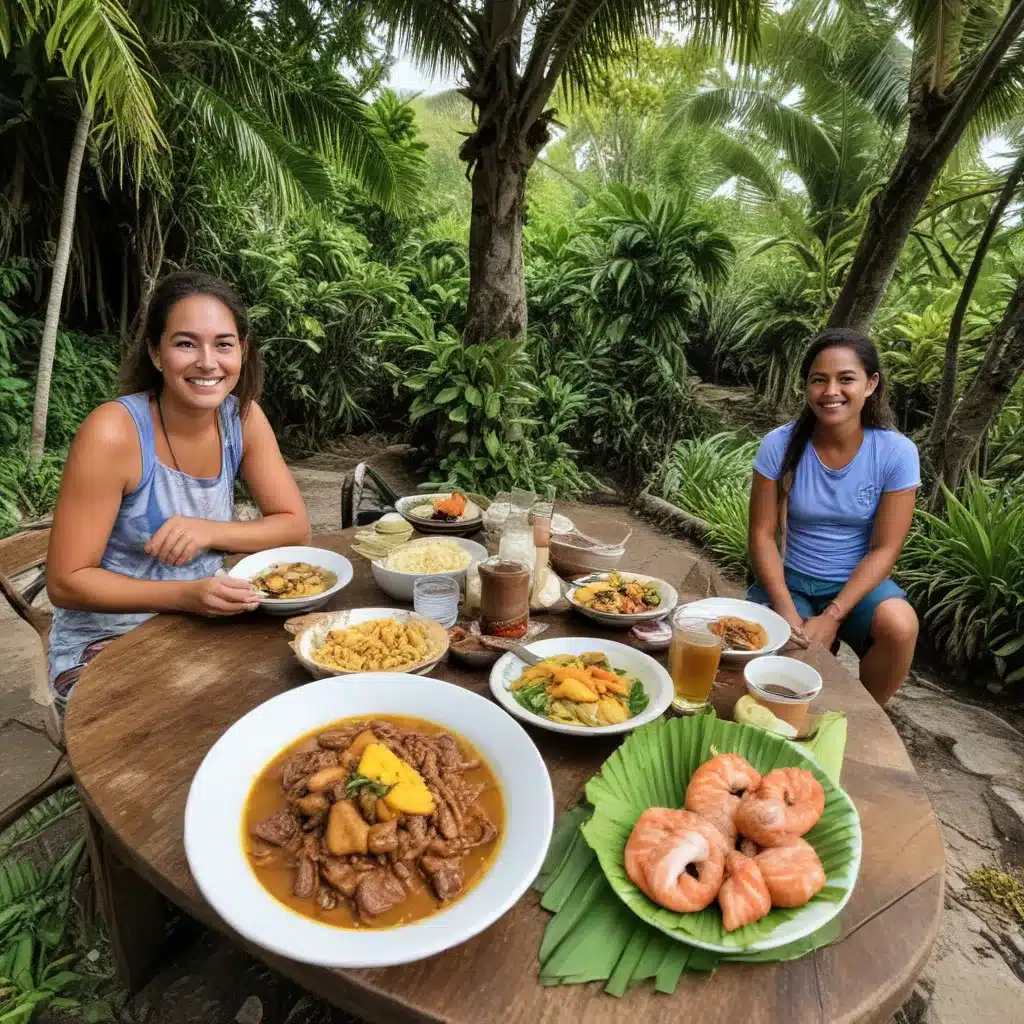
895,623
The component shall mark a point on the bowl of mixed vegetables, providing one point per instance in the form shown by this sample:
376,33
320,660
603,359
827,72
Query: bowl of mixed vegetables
622,598
582,685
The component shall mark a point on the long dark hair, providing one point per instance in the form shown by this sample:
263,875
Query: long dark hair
876,411
138,372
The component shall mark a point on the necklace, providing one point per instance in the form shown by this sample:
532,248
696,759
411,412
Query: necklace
167,437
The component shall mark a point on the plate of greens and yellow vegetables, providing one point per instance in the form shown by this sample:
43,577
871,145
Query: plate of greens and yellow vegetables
583,686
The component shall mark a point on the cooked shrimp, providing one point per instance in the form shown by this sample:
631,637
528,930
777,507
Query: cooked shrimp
675,858
744,896
788,802
715,790
792,872
748,847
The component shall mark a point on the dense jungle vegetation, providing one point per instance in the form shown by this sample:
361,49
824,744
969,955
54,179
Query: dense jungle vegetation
690,210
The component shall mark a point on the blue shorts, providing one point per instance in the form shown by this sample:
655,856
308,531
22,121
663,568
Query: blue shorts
812,596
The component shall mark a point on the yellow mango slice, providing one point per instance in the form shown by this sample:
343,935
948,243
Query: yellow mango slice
573,689
408,793
612,711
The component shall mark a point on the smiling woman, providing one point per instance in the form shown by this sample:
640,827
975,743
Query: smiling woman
838,487
145,507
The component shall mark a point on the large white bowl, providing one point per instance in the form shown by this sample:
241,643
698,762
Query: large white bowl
775,625
669,599
253,565
216,802
657,682
399,584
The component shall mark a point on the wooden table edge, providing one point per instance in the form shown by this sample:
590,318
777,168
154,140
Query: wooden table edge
900,990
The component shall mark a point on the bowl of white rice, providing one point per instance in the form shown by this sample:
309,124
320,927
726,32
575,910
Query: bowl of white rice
430,556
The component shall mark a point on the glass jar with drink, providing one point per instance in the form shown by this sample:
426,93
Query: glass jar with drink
693,659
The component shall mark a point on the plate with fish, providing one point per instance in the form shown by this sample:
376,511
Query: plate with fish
582,686
622,599
723,836
450,513
748,630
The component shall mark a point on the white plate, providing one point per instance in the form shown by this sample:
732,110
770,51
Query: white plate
776,626
657,682
398,584
312,637
470,520
213,818
669,599
253,565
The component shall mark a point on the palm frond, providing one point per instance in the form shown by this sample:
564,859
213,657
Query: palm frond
742,161
38,819
439,36
99,44
259,146
803,140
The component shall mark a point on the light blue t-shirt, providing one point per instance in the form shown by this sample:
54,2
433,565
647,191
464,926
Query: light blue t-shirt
831,512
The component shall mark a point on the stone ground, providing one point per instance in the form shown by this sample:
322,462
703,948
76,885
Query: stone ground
970,761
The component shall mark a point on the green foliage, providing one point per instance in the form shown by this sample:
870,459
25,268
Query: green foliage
318,305
613,304
710,478
495,427
45,959
965,573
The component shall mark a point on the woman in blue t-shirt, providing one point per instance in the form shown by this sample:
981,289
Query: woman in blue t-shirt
838,486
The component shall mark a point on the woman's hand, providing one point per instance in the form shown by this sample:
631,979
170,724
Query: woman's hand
217,596
821,629
180,539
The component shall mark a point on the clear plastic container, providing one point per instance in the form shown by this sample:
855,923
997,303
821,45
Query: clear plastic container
592,547
437,598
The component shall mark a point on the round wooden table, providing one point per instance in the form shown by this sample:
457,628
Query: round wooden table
151,705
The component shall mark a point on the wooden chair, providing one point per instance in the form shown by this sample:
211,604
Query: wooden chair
21,556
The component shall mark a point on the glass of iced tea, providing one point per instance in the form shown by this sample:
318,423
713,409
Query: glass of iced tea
693,661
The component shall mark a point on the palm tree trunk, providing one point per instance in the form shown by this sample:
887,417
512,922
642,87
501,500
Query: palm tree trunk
984,398
497,289
938,120
947,389
48,344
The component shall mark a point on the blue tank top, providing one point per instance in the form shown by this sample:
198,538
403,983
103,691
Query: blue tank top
162,492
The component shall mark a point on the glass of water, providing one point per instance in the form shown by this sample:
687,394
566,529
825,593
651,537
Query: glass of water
437,598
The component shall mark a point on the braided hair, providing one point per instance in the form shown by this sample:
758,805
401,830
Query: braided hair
876,411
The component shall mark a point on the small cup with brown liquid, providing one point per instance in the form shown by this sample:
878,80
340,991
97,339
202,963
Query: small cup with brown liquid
784,686
693,659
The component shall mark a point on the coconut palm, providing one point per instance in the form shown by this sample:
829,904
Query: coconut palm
512,54
251,84
966,77
101,52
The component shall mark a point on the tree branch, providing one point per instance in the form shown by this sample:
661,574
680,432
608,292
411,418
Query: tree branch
947,390
970,86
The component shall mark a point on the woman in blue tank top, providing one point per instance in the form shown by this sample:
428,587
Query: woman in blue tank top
839,485
146,502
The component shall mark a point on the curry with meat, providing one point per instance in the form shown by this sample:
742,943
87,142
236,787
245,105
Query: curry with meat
373,823
288,580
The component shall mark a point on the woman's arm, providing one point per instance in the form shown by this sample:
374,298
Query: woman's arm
104,462
764,551
892,524
284,520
